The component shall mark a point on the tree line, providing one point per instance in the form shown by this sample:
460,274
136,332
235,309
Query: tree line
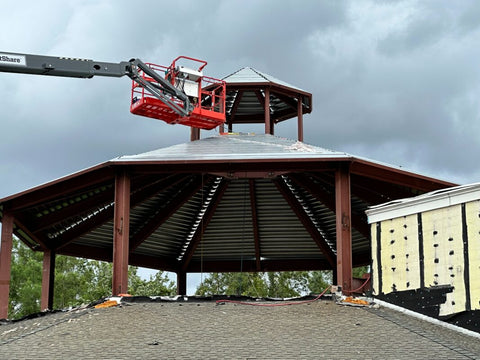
82,281
77,281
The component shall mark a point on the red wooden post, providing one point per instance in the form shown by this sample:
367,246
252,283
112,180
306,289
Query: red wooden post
5,263
181,283
48,280
300,118
344,229
194,134
121,233
268,123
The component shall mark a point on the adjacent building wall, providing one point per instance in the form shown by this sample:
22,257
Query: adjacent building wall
429,243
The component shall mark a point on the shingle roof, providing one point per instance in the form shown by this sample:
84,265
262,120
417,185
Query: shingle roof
196,330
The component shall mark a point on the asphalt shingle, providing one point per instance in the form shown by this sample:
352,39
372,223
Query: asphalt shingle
205,330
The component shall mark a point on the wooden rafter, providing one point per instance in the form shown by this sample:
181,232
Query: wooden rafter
107,214
236,102
212,207
306,221
163,214
40,239
55,217
291,103
329,201
59,188
260,97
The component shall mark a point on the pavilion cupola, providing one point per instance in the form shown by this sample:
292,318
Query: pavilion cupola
253,97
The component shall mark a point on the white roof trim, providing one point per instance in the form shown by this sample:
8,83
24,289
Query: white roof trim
429,201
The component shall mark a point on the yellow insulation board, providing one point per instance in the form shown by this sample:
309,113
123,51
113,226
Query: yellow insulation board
444,256
375,277
400,255
473,229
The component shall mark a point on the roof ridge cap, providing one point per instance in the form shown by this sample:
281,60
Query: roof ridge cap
258,72
237,71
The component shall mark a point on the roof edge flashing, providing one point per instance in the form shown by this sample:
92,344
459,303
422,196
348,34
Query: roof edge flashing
433,200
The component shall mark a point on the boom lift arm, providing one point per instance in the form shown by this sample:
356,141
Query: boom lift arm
83,68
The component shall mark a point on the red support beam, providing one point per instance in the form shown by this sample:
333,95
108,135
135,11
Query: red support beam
181,283
344,228
300,118
268,122
105,254
48,280
256,232
121,229
267,265
194,134
5,262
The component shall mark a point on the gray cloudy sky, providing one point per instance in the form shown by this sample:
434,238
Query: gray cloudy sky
395,81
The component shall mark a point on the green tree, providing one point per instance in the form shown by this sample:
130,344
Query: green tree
25,280
287,283
359,271
73,279
246,284
77,281
271,284
156,285
318,281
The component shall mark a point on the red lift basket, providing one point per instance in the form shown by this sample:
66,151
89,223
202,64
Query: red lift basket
206,94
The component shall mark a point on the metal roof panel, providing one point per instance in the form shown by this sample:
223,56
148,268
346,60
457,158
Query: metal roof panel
251,75
235,147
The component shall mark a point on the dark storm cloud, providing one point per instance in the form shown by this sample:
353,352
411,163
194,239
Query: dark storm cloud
395,81
399,84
